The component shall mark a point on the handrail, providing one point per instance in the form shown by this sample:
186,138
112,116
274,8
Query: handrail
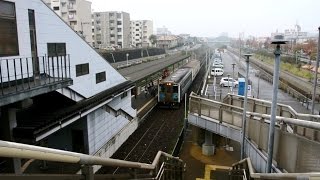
19,150
294,121
253,174
282,105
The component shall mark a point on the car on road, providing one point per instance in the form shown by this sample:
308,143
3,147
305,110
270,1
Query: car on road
225,82
216,72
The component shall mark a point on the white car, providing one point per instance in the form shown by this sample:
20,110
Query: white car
216,72
224,82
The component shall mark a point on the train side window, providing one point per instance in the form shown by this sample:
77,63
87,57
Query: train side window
175,89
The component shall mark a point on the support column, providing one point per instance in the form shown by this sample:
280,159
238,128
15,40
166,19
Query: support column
208,146
87,171
7,123
195,135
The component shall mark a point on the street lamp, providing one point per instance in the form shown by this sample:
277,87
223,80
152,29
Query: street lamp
258,84
278,39
127,58
233,64
245,106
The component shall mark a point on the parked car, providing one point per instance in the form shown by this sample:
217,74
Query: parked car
225,82
216,71
218,66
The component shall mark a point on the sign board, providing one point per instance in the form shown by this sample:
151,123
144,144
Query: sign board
249,91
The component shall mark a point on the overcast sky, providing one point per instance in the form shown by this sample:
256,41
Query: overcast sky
212,17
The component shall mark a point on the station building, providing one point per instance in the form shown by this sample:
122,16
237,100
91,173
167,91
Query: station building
55,89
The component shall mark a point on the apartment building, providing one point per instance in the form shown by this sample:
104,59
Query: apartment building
55,89
141,30
167,41
111,29
76,13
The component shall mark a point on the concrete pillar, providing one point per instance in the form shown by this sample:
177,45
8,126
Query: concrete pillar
87,171
208,146
7,123
195,135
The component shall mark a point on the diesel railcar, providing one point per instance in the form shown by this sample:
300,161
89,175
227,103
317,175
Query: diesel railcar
171,90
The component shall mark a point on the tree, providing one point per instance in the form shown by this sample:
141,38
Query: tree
153,39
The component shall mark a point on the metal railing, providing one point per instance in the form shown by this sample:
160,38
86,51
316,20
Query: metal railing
292,150
249,173
20,74
164,166
264,107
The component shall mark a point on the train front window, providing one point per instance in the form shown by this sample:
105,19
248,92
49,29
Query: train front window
162,88
175,89
169,87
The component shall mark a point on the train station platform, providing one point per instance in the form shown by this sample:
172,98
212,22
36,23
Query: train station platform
143,103
199,166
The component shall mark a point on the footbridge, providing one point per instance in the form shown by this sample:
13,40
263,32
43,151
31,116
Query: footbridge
296,145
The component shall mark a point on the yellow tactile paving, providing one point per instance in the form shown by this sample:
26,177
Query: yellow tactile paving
209,168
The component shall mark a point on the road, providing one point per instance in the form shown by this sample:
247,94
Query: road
265,89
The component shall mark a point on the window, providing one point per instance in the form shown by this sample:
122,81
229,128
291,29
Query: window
56,8
137,29
82,69
8,30
100,77
123,95
118,15
119,29
119,23
119,37
56,49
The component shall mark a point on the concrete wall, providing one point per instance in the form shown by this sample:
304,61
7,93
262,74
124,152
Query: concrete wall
108,149
102,125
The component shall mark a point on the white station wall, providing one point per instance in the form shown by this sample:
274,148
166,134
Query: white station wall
51,29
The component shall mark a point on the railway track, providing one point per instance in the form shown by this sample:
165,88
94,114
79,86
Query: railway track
159,131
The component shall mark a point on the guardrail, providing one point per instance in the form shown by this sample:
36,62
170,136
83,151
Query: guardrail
164,166
20,74
292,152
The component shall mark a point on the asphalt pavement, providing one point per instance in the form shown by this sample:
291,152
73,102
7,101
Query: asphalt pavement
260,88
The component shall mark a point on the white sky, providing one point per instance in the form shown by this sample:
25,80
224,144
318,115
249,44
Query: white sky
212,17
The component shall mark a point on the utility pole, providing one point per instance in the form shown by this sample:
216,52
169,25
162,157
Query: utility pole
244,114
315,77
239,47
233,64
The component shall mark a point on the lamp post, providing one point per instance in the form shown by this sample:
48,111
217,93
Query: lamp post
278,39
258,85
315,77
233,64
127,58
244,119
